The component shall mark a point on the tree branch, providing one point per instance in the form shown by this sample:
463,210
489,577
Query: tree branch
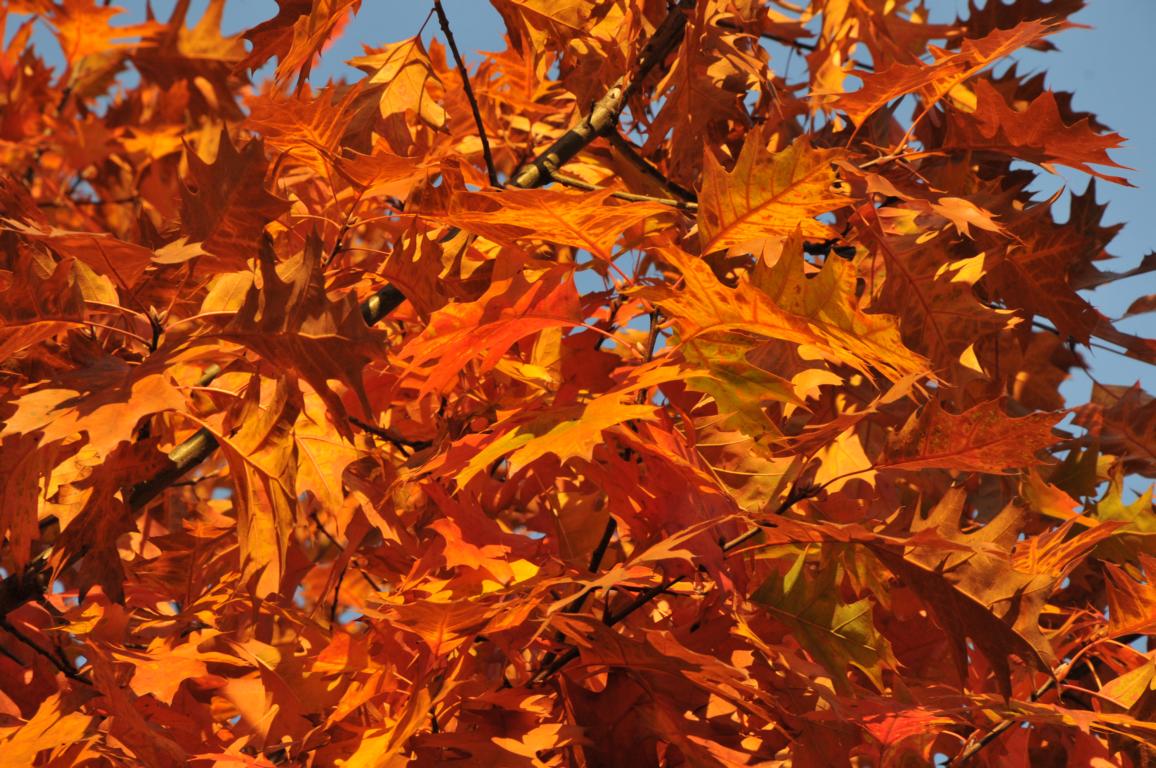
61,666
606,111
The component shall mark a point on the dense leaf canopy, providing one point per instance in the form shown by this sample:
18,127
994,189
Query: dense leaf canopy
631,398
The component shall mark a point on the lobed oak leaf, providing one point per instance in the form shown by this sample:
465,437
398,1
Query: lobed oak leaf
90,538
323,453
306,132
1036,274
981,439
866,341
592,221
947,72
59,721
125,263
24,466
1132,687
39,303
296,35
567,432
1131,603
722,369
965,214
768,194
673,680
404,76
262,457
970,585
706,305
939,313
718,65
459,552
1036,133
480,333
84,28
442,626
546,23
105,402
283,312
162,668
842,460
982,21
381,173
199,55
225,205
1124,420
838,634
548,736
893,724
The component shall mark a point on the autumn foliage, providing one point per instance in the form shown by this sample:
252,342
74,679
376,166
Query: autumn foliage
678,386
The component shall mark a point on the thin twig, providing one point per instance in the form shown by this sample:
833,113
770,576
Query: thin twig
368,579
337,596
181,459
974,747
63,204
810,48
1091,344
600,550
651,343
570,181
465,75
396,440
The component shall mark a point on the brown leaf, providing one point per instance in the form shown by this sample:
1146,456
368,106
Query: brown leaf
981,439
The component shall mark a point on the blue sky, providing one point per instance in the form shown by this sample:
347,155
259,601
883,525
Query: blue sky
1106,66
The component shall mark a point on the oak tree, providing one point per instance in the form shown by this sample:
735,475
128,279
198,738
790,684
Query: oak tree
629,398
